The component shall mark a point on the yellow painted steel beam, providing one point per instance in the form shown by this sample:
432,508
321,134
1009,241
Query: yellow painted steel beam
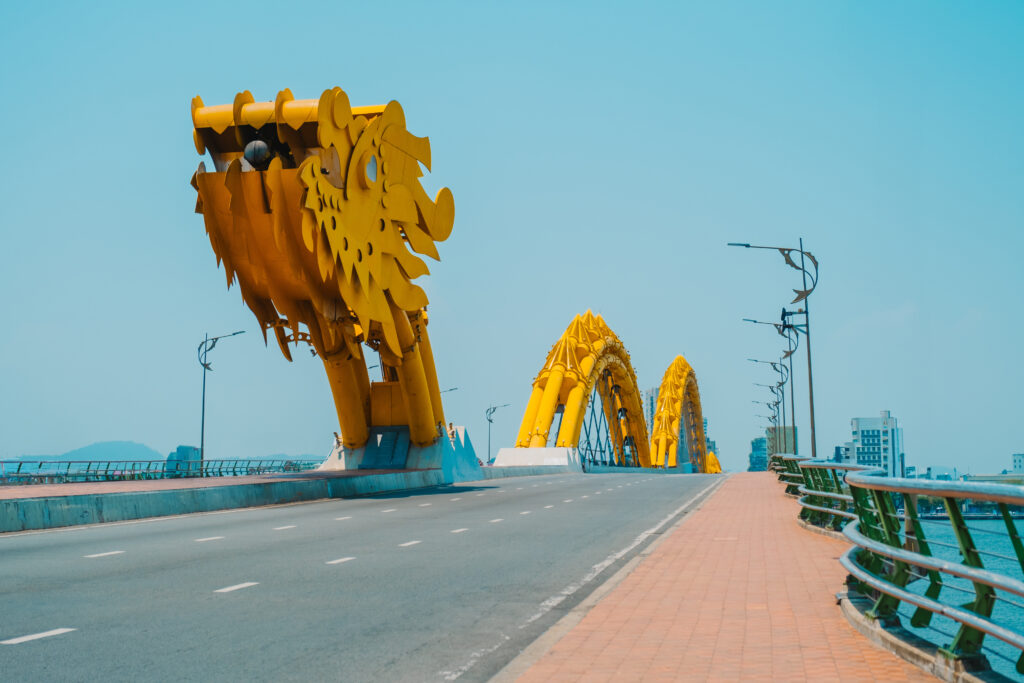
316,210
679,410
587,352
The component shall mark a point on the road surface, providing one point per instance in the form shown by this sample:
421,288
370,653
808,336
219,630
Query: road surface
439,584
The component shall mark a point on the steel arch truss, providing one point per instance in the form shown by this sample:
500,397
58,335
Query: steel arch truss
588,362
678,425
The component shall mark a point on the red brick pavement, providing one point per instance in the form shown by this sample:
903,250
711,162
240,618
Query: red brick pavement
738,592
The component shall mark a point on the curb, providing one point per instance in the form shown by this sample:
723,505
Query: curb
547,640
911,648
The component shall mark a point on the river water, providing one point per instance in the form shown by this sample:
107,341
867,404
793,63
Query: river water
990,537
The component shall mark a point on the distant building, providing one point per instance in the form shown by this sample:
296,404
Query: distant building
650,405
758,455
841,454
781,440
709,443
877,442
1018,463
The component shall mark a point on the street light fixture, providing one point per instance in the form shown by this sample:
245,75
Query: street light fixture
489,413
783,330
204,348
801,295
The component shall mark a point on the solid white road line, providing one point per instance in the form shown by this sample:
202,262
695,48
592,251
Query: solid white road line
209,538
37,636
389,510
282,528
459,531
112,552
237,586
495,521
408,543
342,519
340,560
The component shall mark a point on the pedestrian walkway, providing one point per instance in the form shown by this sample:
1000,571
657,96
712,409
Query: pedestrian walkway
739,591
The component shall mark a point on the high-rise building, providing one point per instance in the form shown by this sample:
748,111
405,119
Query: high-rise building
781,440
1018,463
877,442
650,405
709,443
758,455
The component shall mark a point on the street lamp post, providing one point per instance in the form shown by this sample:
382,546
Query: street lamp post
489,413
204,348
801,295
781,330
783,378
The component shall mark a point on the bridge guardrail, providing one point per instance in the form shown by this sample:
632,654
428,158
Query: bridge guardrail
824,496
968,578
791,475
64,471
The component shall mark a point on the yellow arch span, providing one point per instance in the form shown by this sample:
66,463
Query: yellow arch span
679,412
587,356
589,351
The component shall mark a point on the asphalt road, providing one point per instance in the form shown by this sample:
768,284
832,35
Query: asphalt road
438,584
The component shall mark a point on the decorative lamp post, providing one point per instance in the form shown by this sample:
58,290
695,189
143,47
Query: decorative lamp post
204,348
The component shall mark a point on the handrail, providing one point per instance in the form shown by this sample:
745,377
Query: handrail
61,471
892,552
824,496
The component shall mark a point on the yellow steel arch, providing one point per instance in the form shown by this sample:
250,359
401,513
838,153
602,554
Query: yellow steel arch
678,412
315,208
587,352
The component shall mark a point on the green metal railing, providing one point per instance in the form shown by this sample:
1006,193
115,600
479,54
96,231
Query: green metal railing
825,498
956,571
790,474
64,471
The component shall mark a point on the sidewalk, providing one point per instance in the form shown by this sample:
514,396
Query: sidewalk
738,591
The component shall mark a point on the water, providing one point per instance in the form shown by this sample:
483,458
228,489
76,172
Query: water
997,554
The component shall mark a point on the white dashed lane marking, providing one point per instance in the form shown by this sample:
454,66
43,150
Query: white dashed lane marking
525,512
36,636
455,499
408,543
340,560
107,554
567,500
424,505
495,521
389,510
459,531
342,519
548,507
209,538
237,586
282,528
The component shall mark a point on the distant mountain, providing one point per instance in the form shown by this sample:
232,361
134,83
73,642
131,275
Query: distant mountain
106,450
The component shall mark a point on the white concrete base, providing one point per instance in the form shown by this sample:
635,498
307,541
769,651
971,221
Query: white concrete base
531,457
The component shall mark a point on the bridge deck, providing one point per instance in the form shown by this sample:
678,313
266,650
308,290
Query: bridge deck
738,591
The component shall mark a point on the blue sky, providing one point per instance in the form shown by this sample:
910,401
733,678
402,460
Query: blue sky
600,155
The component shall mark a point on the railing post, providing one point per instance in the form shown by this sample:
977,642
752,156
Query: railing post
967,641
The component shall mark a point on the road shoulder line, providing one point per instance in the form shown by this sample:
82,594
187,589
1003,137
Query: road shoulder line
547,640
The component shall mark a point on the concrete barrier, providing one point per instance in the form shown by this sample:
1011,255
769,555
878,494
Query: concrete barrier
25,514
